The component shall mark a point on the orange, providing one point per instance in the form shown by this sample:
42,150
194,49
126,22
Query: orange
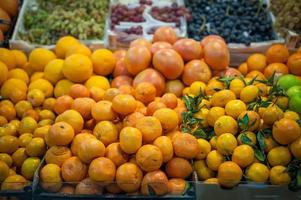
279,176
285,131
277,68
165,34
115,153
211,181
170,100
4,169
165,146
14,89
236,86
21,107
46,114
106,132
111,93
62,87
77,140
73,170
73,118
79,90
257,62
97,93
145,92
157,181
29,167
178,168
249,93
150,128
36,147
6,158
153,106
250,135
272,114
131,119
98,81
185,145
19,156
294,63
204,147
90,149
83,106
149,158
291,115
189,49
170,64
202,170
141,42
229,174
103,62
43,85
67,189
103,110
221,98
270,143
295,148
6,56
129,177
50,176
97,172
21,58
243,68
53,71
61,133
78,49
3,121
18,74
279,156
243,155
35,76
124,104
36,97
14,182
258,173
176,186
225,124
77,68
213,87
226,143
24,139
277,53
64,44
214,160
235,107
130,139
3,72
137,59
8,112
27,125
168,118
62,104
39,58
254,120
57,155
88,187
213,114
174,86
10,6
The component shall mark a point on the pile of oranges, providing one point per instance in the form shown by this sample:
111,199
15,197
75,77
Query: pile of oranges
115,122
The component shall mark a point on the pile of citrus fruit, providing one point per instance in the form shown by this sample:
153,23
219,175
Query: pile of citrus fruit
117,123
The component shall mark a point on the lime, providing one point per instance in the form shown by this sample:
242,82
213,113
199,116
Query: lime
287,81
294,90
295,103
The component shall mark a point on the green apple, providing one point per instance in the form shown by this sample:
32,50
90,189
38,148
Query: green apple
294,90
295,103
287,81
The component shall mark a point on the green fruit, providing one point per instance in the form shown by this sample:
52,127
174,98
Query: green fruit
287,81
295,103
294,90
29,167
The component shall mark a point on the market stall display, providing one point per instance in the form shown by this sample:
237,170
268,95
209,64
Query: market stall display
156,114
